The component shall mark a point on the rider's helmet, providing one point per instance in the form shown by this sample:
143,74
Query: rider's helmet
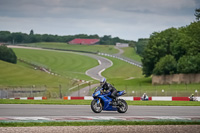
192,94
102,81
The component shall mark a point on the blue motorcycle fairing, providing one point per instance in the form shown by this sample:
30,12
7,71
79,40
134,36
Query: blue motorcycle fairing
98,101
107,106
119,93
97,93
106,100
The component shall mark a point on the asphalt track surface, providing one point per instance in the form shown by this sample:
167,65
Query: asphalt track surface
34,110
95,72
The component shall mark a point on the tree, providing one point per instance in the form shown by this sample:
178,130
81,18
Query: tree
197,14
141,44
5,36
166,66
106,40
7,54
189,64
17,37
192,32
31,33
159,45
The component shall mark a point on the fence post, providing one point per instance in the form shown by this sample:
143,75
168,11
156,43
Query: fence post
68,91
89,88
126,89
13,93
60,87
78,90
45,92
7,93
31,91
186,85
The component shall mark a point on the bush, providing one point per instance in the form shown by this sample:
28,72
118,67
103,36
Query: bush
166,65
7,54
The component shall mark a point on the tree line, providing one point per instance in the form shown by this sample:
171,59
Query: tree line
19,37
172,51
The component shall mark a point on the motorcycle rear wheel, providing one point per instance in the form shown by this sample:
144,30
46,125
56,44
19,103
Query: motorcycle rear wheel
123,106
95,108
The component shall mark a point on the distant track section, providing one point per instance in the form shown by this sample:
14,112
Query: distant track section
128,60
94,73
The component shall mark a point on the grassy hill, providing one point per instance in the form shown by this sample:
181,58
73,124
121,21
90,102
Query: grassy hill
17,75
66,64
130,53
122,70
89,48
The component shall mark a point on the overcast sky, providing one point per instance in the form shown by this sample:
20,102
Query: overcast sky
127,19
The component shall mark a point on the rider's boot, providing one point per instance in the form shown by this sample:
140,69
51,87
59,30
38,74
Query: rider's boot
114,102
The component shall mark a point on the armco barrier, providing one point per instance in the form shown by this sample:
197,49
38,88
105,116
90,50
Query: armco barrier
180,99
157,98
30,98
153,98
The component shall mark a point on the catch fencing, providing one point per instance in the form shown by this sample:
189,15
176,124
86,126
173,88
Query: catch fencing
55,92
25,91
58,92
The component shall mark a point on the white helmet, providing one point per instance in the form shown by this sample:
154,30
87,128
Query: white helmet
102,81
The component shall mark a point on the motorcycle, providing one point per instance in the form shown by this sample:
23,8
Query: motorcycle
193,98
102,101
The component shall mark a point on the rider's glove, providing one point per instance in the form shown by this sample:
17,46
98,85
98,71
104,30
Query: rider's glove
107,91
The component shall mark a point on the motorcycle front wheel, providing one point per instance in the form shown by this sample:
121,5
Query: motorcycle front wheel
123,106
95,107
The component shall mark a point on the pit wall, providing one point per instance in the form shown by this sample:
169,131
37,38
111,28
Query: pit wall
175,79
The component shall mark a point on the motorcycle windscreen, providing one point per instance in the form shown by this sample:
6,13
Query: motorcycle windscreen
119,93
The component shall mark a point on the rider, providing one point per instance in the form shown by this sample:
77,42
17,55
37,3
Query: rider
192,97
144,97
109,88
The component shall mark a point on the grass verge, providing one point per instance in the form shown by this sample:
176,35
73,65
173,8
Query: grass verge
87,102
103,123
